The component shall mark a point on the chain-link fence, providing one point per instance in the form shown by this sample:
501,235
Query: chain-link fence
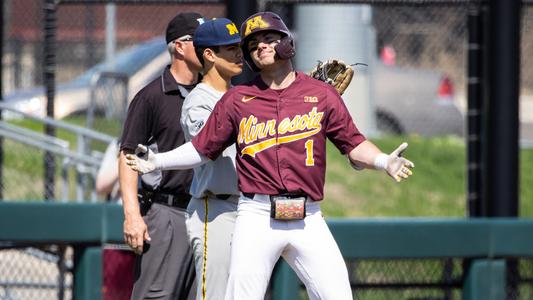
427,279
81,35
96,77
36,273
421,53
47,272
417,55
409,42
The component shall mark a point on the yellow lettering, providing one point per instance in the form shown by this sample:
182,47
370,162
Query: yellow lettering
309,160
250,131
244,129
270,128
294,123
315,118
256,22
261,133
304,122
232,29
284,126
256,148
252,137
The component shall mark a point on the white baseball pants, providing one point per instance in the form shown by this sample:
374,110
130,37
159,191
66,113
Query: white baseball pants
306,245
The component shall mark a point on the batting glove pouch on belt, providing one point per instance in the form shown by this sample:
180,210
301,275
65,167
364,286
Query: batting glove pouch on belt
394,164
334,72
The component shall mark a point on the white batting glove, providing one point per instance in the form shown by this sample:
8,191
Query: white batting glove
394,164
143,161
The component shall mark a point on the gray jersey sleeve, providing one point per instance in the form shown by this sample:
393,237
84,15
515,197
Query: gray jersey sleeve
195,112
217,176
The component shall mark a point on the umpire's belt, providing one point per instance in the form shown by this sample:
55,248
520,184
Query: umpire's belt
178,200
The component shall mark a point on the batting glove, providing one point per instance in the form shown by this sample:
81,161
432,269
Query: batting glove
143,161
394,164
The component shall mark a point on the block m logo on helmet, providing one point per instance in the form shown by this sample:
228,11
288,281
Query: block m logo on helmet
254,23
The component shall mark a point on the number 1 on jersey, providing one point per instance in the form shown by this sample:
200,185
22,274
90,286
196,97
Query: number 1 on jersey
309,160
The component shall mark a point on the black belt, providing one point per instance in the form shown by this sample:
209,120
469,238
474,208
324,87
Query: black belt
252,195
249,195
179,200
218,196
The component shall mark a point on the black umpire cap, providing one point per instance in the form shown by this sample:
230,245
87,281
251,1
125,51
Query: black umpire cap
183,24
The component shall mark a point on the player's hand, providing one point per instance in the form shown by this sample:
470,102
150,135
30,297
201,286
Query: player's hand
399,168
143,161
135,233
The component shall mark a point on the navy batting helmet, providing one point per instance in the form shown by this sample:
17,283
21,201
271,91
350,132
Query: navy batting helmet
266,21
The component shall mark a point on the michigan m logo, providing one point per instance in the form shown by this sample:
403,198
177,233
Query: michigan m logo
232,29
256,22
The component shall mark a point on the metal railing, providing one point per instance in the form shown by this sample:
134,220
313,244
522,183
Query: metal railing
85,161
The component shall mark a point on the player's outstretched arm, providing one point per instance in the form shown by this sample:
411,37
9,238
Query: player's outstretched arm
182,158
367,155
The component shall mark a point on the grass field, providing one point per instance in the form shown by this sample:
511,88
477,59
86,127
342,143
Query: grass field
437,187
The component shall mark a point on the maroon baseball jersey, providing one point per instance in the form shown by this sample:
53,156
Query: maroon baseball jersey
280,134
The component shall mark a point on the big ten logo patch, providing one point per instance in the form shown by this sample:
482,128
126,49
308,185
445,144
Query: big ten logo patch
232,29
256,22
310,99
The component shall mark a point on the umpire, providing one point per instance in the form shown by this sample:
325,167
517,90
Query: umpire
155,206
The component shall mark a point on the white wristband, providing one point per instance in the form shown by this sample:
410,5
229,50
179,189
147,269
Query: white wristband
381,161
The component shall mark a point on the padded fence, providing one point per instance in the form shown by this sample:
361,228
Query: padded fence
386,258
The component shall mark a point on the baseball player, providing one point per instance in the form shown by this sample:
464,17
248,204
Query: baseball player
280,122
213,206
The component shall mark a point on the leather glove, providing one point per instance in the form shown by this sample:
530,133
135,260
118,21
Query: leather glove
334,72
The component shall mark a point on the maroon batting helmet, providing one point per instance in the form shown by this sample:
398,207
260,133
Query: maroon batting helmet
266,21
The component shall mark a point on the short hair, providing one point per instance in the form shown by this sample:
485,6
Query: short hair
171,46
200,52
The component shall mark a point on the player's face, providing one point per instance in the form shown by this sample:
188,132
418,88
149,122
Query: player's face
228,60
261,46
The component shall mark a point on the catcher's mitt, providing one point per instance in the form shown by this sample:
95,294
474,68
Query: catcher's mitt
334,72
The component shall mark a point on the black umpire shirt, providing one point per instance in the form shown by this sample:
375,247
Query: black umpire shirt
154,120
